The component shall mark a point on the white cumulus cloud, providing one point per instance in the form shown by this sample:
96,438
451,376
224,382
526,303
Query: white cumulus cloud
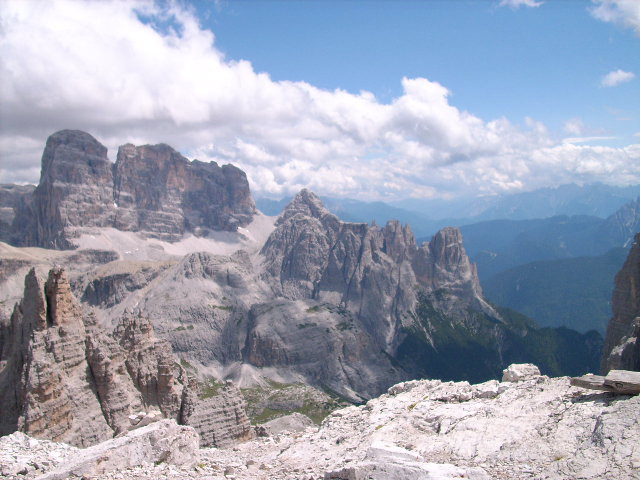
142,72
622,12
520,3
616,77
574,126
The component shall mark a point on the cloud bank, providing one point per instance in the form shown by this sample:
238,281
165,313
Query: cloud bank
142,73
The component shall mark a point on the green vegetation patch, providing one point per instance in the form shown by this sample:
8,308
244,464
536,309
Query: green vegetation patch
182,328
265,403
478,347
187,366
227,308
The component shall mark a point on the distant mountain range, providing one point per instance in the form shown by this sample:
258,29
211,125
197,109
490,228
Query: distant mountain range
497,245
558,270
428,216
595,199
574,292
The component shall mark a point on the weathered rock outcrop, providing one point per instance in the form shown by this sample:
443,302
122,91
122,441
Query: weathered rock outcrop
161,442
159,192
325,344
111,284
75,189
63,378
150,189
45,381
221,420
622,343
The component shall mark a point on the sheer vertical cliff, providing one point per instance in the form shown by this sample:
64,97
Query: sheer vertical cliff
159,192
622,343
150,189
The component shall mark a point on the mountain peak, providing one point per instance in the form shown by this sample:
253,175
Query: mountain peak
305,203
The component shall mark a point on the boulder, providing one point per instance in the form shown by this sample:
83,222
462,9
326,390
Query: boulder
517,372
163,441
295,422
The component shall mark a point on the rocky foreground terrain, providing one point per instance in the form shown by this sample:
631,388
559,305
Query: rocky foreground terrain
527,426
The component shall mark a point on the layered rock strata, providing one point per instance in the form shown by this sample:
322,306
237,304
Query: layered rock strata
622,344
151,189
159,192
221,419
63,377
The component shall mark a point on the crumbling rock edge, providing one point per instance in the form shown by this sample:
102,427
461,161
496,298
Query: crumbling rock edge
530,427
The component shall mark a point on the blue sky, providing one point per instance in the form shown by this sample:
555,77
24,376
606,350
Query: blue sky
378,100
545,62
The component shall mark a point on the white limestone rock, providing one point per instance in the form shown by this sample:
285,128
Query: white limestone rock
163,441
295,422
542,429
518,372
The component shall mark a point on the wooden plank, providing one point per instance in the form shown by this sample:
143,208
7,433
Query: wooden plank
623,381
593,382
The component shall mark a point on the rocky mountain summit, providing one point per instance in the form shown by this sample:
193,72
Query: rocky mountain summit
150,189
526,426
351,308
375,273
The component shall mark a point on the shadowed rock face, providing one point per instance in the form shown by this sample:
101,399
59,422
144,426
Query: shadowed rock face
12,198
159,192
622,344
150,189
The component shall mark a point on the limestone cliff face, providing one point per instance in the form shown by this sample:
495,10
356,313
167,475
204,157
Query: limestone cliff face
150,189
64,378
323,343
622,344
374,273
75,189
159,192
